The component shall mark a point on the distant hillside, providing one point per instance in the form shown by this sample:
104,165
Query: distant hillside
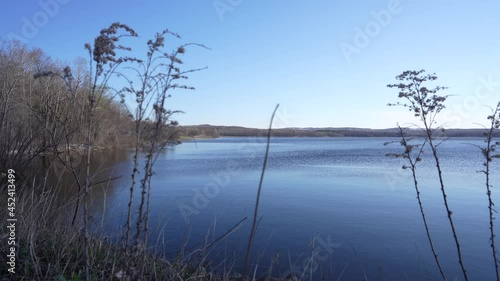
209,131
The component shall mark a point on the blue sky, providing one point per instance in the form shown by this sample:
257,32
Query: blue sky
326,62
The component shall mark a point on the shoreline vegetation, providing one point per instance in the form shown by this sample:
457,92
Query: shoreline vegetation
209,132
200,132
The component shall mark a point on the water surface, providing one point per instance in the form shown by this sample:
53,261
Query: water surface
339,201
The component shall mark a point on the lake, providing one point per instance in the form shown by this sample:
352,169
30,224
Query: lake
336,208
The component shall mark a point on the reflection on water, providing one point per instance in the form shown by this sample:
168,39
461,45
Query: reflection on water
104,170
331,206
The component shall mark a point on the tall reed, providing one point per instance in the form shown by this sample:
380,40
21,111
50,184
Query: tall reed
256,211
426,104
413,160
489,153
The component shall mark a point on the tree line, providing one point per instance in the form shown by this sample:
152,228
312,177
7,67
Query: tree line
42,103
210,131
66,111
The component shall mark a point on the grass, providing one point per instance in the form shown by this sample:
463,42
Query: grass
50,248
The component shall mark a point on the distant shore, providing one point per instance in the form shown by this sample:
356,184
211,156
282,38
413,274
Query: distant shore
203,132
183,138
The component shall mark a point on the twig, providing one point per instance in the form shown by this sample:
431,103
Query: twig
413,167
488,154
254,225
227,233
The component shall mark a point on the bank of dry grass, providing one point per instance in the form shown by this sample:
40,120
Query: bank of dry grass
50,248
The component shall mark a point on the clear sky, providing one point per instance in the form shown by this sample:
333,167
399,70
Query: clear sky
326,62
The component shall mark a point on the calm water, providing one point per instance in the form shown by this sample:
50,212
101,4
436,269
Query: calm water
338,202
